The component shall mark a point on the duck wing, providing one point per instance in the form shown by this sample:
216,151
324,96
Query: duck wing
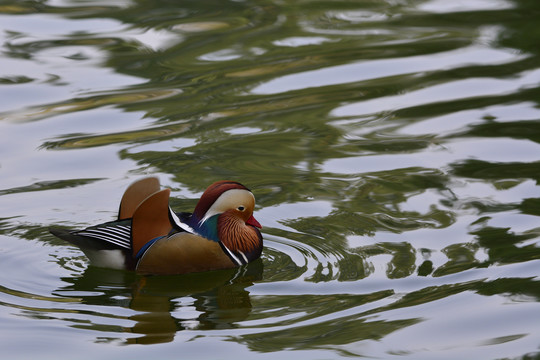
135,194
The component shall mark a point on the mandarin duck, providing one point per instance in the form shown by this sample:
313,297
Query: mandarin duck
150,238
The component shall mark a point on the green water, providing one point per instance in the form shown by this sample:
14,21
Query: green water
393,148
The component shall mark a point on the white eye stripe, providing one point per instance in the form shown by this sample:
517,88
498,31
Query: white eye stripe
229,200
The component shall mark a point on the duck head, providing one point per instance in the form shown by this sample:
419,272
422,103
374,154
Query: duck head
225,213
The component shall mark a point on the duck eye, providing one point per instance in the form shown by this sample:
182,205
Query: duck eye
240,208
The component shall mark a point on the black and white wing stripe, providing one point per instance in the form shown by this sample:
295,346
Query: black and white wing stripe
179,224
239,258
119,235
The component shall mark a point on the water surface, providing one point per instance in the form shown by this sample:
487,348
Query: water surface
393,148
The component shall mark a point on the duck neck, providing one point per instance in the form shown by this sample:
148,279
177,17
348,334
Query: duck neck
237,236
208,229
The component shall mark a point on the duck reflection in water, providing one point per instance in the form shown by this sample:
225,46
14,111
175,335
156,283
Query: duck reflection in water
165,305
